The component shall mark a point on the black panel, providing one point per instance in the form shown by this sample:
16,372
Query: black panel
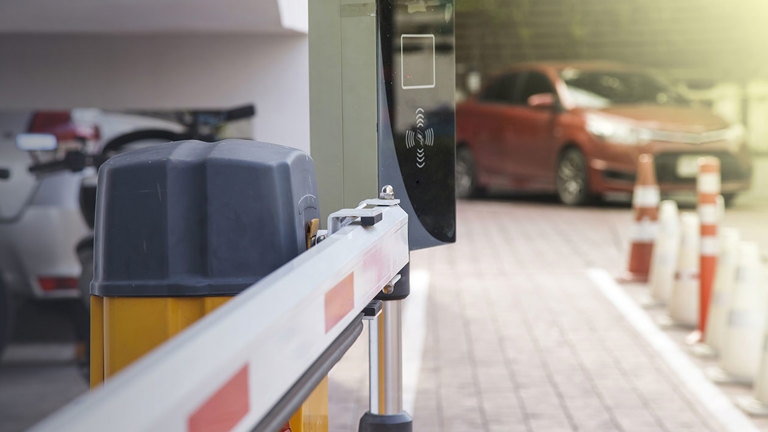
417,75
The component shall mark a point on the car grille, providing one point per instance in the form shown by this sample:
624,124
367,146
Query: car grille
666,168
690,137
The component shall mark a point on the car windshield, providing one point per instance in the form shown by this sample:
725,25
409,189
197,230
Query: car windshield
601,89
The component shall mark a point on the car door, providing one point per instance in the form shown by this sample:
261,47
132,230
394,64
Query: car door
494,115
535,144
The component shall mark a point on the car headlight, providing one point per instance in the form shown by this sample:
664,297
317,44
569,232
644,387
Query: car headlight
617,132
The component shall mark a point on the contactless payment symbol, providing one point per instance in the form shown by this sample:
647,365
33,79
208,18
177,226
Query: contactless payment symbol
419,137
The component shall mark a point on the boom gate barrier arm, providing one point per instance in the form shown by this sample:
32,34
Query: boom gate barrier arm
242,366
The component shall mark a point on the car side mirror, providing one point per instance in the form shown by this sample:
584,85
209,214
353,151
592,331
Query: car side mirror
542,100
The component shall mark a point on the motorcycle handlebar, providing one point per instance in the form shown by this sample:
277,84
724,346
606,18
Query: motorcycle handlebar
73,161
245,111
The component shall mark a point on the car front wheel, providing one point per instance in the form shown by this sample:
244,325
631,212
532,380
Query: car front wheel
466,175
572,183
728,199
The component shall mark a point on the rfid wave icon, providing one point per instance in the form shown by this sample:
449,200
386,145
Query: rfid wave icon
419,138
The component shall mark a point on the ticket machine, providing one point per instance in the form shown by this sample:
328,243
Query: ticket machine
382,86
382,114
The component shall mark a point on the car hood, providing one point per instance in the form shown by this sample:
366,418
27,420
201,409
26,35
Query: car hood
668,118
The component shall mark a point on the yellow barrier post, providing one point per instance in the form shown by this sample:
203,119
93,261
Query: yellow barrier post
180,229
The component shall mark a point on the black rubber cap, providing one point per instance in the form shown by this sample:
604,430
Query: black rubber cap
386,423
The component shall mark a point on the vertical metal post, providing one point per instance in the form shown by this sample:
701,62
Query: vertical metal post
385,340
373,363
385,366
392,366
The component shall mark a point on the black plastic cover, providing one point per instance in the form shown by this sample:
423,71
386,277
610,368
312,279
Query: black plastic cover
401,422
198,219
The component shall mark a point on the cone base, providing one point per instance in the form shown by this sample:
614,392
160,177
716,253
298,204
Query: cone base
719,376
649,302
632,278
752,406
666,322
703,350
694,338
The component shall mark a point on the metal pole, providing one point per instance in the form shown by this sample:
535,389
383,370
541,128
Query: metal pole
373,363
392,366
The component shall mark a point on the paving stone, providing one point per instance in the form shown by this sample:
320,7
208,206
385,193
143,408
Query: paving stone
518,338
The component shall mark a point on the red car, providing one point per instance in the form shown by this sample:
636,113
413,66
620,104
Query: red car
578,128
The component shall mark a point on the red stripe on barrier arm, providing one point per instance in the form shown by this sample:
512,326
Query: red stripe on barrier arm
373,262
222,411
339,301
709,230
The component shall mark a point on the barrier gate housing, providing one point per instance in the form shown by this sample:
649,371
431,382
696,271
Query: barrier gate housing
382,119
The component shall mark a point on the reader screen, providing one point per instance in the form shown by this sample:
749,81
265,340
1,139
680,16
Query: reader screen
417,53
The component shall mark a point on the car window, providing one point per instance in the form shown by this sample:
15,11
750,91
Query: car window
502,90
600,89
535,83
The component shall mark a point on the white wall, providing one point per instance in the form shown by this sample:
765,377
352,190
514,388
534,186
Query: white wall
163,72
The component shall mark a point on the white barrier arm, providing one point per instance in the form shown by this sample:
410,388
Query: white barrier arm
228,370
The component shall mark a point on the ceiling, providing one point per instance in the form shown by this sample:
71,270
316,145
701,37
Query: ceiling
153,16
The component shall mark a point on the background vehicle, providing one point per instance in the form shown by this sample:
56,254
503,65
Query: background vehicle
48,197
40,219
577,129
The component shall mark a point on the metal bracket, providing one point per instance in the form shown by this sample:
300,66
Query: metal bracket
369,211
378,202
342,218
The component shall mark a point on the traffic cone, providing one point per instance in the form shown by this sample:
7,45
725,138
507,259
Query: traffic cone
757,404
683,305
722,288
665,251
742,340
645,201
708,188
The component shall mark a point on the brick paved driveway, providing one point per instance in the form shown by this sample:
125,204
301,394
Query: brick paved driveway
519,339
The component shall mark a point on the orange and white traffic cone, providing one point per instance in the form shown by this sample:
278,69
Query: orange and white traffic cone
742,341
665,251
722,289
645,201
708,188
757,404
683,305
